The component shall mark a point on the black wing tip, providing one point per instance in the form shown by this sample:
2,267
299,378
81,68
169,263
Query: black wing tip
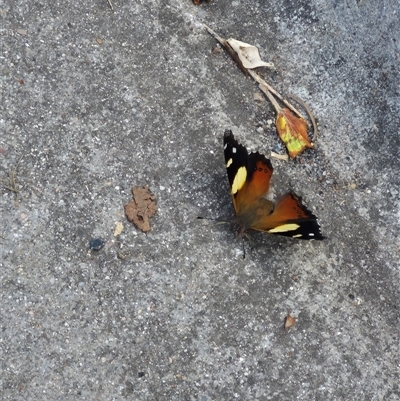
229,137
229,143
309,228
259,156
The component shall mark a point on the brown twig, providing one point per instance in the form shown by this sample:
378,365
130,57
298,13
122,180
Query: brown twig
111,4
267,89
309,113
264,88
216,36
229,49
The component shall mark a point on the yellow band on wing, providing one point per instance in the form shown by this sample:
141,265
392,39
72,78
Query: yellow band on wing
240,179
284,228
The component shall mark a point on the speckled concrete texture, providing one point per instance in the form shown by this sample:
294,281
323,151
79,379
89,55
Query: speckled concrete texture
95,101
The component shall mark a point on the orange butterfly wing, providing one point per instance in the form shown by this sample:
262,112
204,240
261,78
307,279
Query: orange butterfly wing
259,172
289,217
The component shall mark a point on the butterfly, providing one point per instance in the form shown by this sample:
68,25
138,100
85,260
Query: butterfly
249,177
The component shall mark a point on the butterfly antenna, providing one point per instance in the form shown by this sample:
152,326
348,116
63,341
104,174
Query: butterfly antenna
244,249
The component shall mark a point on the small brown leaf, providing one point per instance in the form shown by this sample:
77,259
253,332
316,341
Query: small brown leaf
216,50
293,132
141,208
289,321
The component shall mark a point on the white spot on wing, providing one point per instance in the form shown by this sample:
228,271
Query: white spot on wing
229,162
233,150
225,146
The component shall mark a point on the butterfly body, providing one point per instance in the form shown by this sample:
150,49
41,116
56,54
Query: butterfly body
249,177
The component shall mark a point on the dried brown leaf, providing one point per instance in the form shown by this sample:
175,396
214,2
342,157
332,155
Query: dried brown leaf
248,54
141,208
289,321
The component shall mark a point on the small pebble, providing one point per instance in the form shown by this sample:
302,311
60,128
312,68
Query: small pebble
96,244
277,148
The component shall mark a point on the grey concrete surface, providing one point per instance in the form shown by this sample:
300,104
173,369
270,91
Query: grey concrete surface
96,101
